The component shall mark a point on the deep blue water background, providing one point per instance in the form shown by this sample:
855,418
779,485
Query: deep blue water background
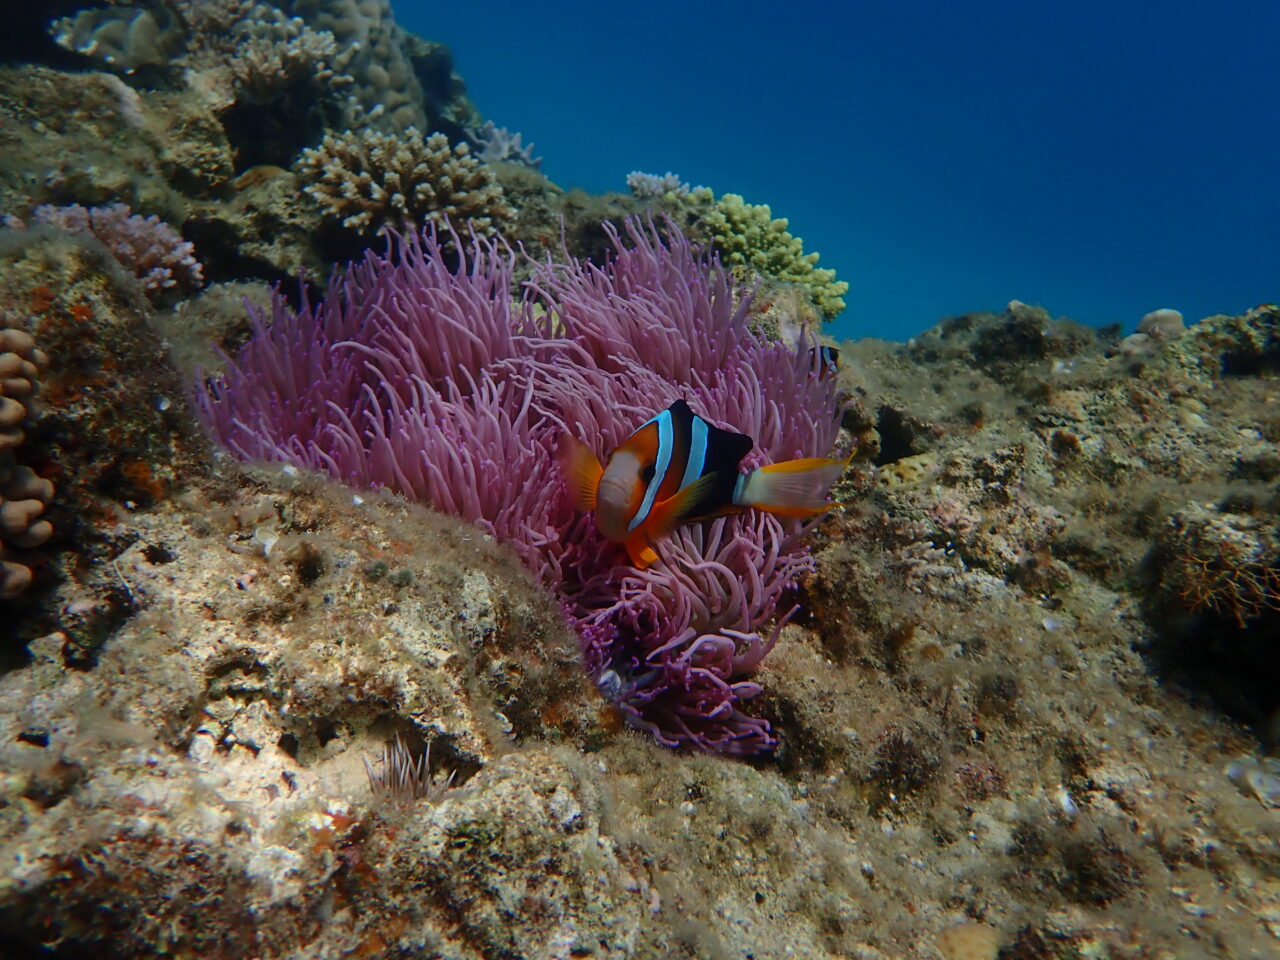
1101,159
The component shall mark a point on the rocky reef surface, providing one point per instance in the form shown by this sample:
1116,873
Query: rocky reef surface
1027,707
1025,703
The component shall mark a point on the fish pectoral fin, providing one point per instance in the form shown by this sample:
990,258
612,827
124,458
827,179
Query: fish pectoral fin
641,554
677,509
582,471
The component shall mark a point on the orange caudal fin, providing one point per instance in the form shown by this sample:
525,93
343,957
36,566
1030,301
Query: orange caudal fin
793,488
582,471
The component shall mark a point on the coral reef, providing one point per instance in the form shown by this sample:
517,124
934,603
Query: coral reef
368,180
496,384
974,754
1020,701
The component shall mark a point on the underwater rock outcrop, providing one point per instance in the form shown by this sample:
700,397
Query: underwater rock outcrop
1025,708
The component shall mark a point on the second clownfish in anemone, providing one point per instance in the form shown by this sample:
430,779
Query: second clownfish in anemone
678,468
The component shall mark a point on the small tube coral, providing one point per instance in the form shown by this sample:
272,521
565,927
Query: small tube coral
432,382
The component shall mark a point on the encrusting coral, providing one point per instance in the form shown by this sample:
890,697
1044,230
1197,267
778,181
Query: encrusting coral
368,179
434,384
23,494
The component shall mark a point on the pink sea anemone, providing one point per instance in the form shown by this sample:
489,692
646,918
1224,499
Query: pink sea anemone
436,383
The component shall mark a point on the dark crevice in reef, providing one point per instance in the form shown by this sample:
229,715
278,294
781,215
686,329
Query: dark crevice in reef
1214,658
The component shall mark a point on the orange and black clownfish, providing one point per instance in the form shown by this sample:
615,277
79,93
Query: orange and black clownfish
678,468
827,360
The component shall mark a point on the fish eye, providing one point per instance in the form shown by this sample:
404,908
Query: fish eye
646,474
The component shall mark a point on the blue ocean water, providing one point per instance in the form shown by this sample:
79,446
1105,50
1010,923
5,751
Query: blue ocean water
1101,159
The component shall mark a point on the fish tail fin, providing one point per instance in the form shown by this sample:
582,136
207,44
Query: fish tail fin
793,488
582,471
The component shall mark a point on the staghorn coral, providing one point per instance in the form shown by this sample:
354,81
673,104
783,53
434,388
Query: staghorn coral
434,384
369,179
23,495
147,247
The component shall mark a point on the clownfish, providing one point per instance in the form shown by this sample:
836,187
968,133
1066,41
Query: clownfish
827,360
677,468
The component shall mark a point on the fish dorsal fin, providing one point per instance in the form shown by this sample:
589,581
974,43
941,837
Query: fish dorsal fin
582,471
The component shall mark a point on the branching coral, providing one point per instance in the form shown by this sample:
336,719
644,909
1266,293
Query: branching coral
435,384
498,144
748,236
650,186
369,179
145,246
275,53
